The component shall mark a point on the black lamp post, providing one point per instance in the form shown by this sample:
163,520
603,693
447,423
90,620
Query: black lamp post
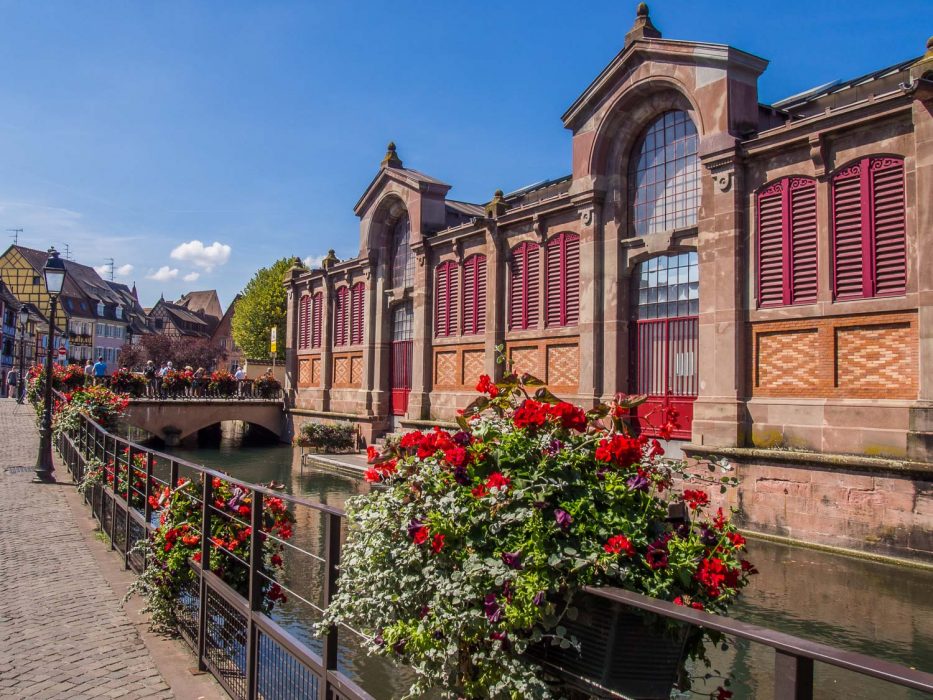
23,320
54,272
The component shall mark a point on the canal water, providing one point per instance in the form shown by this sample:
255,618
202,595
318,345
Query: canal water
878,609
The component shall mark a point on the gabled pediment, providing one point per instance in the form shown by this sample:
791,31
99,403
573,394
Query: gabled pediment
392,172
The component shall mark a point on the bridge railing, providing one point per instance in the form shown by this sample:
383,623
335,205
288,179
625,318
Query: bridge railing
253,655
246,393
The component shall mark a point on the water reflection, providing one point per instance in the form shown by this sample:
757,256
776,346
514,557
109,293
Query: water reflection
863,606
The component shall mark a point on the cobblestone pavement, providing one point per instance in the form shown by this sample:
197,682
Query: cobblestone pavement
63,633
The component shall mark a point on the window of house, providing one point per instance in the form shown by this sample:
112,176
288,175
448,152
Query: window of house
357,307
445,299
474,295
303,319
664,176
317,303
869,229
667,286
523,286
562,280
403,260
341,309
100,309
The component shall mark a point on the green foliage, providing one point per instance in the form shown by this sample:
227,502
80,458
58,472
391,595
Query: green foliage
336,437
262,306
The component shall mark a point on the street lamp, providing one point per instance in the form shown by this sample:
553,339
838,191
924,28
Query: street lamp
54,272
23,320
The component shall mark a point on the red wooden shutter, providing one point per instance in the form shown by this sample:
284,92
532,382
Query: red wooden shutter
316,302
516,287
848,247
523,292
571,279
532,303
303,322
445,300
553,272
474,295
340,317
888,219
801,242
562,280
771,245
356,313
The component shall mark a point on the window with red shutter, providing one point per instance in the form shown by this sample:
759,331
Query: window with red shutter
445,300
340,316
523,286
562,280
869,229
787,245
357,294
303,322
316,303
474,295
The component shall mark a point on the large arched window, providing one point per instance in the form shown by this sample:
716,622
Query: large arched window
403,261
664,176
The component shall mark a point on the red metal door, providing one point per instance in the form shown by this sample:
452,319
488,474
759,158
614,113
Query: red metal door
666,370
401,359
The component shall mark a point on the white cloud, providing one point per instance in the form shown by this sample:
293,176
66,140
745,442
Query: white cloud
313,261
191,277
163,274
124,270
102,270
197,253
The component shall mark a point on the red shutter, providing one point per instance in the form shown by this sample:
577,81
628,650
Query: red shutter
532,296
848,257
802,242
562,280
303,322
479,325
440,300
453,297
316,302
474,295
523,290
771,245
516,287
356,313
571,279
553,259
888,219
445,300
340,317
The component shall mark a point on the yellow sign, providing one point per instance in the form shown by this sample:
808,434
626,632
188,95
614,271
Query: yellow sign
272,341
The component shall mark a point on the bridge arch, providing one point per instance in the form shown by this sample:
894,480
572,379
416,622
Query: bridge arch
174,421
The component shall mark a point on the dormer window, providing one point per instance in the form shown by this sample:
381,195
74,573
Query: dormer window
118,312
100,309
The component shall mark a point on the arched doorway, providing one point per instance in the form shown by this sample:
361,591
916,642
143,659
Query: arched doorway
665,305
400,361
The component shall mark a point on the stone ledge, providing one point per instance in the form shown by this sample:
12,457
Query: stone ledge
419,423
921,470
331,414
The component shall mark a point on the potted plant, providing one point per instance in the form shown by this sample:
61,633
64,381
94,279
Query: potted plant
222,383
468,563
328,438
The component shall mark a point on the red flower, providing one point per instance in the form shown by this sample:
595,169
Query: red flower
620,450
569,416
372,454
721,694
695,499
197,557
372,475
412,439
712,574
498,481
617,544
420,535
719,522
736,539
656,449
531,414
479,491
243,510
456,456
276,560
485,385
437,543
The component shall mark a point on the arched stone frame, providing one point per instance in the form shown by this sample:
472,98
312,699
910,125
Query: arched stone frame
379,237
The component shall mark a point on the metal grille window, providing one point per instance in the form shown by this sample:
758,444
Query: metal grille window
474,295
869,229
667,286
664,176
445,300
562,280
317,303
341,309
303,322
402,322
787,270
523,286
403,261
357,305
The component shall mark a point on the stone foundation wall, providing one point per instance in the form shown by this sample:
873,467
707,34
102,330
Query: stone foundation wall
872,505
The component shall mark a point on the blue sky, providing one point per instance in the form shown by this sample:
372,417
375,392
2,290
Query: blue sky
130,128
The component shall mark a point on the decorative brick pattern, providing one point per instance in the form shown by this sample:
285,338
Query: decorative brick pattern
563,365
304,373
525,359
341,371
356,371
315,371
879,357
445,368
474,365
788,359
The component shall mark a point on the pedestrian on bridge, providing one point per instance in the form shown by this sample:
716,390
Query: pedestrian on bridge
100,370
240,377
151,380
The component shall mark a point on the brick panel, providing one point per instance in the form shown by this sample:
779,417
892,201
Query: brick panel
356,370
341,371
788,359
304,373
474,364
876,357
316,371
563,366
525,359
445,368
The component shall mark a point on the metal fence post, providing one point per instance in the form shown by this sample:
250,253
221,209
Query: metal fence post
331,561
129,504
256,539
112,459
793,677
207,494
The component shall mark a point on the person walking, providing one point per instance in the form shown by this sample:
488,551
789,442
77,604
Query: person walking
88,373
100,370
150,374
12,382
240,376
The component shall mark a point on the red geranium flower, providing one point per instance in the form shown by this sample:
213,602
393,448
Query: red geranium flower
497,480
437,543
617,544
485,385
569,416
695,499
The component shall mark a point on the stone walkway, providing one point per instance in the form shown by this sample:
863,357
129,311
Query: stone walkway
63,633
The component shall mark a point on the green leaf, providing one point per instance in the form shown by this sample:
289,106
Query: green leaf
545,396
531,380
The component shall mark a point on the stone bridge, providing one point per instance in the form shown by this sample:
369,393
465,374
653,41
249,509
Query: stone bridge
176,420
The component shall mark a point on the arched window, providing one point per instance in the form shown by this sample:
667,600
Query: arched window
523,286
357,304
474,295
317,302
664,176
787,271
341,312
445,300
869,229
562,280
303,317
403,262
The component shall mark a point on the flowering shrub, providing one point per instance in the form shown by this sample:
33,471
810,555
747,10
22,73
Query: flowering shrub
63,378
336,437
222,382
176,381
100,403
126,382
178,539
267,387
476,545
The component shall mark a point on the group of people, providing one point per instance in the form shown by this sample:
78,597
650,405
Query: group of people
200,378
95,372
14,386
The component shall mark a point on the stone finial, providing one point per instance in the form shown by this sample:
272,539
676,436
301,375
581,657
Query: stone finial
497,207
296,268
331,258
923,68
929,53
391,159
643,28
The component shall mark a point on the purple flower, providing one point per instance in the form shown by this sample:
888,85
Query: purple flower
656,556
554,447
707,536
637,483
513,560
462,438
399,646
461,476
380,642
492,608
413,527
538,599
563,518
601,473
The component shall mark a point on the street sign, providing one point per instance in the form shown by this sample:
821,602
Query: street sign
272,338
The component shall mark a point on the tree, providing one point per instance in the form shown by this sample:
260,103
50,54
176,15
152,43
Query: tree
132,356
262,307
196,352
158,348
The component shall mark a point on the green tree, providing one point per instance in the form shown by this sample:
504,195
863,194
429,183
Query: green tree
262,306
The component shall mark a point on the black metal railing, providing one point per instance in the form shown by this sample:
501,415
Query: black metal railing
247,392
252,656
